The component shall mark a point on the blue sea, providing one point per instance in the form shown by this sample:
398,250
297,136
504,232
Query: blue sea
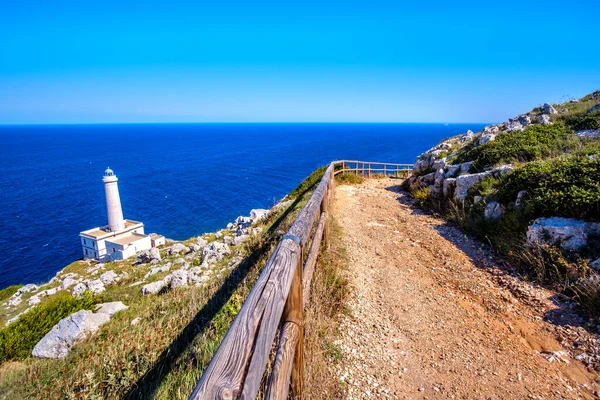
181,180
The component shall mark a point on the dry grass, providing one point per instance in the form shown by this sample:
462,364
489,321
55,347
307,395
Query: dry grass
163,355
328,293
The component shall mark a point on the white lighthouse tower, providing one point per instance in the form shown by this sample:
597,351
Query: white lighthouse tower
121,238
113,202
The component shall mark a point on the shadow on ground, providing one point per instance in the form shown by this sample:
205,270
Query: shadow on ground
566,313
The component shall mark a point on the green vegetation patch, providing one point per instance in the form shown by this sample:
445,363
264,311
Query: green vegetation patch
19,338
565,187
533,143
9,291
349,178
308,183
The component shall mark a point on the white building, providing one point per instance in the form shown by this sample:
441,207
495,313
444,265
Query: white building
121,238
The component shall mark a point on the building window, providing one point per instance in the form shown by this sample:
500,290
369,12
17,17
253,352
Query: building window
114,250
86,253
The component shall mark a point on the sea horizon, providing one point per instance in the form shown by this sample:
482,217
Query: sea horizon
180,180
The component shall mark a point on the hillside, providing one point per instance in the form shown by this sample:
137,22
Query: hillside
531,188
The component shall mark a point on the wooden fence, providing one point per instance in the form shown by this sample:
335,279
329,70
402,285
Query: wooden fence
277,302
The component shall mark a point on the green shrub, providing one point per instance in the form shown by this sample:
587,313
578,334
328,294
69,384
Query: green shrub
422,195
580,122
533,143
19,338
9,291
349,178
308,182
564,187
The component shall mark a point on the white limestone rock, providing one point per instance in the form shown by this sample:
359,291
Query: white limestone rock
178,248
519,200
201,242
439,164
30,287
178,261
543,119
156,287
448,187
179,279
514,125
15,301
194,247
156,270
258,214
243,221
34,300
487,137
467,137
214,252
465,167
111,307
96,286
60,340
68,282
548,109
571,234
493,211
452,171
240,239
149,255
79,289
466,182
109,278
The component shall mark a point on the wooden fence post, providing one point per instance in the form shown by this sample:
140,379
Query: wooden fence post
293,312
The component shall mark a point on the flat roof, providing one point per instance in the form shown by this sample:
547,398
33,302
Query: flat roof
102,231
126,239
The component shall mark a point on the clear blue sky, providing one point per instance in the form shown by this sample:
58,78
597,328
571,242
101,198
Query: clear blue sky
162,61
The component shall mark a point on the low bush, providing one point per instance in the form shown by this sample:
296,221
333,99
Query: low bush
583,121
422,195
9,291
19,338
564,187
349,178
308,183
533,143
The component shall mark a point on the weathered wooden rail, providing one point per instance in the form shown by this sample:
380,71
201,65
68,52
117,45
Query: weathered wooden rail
276,303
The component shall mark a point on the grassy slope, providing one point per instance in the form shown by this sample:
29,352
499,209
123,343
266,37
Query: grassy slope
164,354
560,176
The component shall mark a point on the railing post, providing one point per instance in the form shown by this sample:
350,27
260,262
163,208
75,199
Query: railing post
293,312
369,166
384,170
325,208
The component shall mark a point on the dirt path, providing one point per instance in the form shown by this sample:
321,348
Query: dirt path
425,322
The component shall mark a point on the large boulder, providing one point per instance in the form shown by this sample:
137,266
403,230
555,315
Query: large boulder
467,137
452,171
571,234
548,109
197,275
543,119
466,182
487,137
449,187
514,125
109,277
58,342
179,279
156,287
178,248
214,252
258,213
201,242
156,270
95,286
147,256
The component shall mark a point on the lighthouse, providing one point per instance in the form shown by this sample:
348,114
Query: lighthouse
121,238
113,201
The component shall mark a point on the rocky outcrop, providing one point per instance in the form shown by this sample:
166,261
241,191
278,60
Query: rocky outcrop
58,342
156,287
214,252
548,109
178,248
493,211
568,233
147,256
543,119
466,182
179,279
589,133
